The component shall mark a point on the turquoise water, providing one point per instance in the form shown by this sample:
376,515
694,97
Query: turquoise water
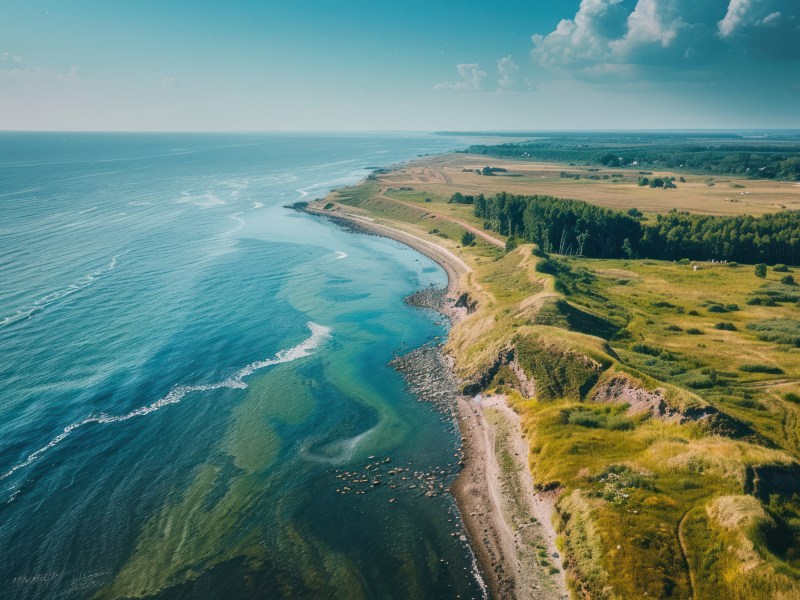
187,366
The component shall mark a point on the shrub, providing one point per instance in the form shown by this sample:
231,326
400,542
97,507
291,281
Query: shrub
693,313
761,270
792,397
694,331
684,261
716,308
732,307
537,252
467,238
733,264
673,328
725,326
511,244
782,331
788,280
645,349
428,200
781,268
760,368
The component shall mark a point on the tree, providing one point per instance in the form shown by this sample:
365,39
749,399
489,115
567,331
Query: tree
657,183
761,270
581,239
644,181
635,213
511,244
467,238
788,280
627,248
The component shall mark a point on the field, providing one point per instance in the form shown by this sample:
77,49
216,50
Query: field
446,175
660,399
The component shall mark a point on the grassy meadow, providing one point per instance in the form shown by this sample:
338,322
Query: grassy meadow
661,399
704,194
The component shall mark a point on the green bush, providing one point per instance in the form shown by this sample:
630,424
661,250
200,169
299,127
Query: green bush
788,280
694,331
761,270
467,238
725,326
782,331
781,268
792,397
760,368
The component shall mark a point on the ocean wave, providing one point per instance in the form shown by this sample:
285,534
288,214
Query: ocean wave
258,205
319,333
41,303
206,200
340,255
239,220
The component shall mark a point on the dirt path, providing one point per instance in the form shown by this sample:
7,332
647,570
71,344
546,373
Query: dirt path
685,555
510,525
478,232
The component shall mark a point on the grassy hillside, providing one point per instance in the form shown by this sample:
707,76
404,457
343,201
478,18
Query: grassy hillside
662,401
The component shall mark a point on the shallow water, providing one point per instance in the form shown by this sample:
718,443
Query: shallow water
186,364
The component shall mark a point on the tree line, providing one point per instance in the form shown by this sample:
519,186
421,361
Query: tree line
575,227
751,160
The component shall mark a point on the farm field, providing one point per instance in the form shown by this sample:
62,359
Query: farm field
445,175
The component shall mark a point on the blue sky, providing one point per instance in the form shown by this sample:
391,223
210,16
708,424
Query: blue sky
414,65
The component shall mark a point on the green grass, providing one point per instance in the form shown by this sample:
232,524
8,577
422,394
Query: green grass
649,503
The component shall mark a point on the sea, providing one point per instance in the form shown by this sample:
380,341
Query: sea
196,395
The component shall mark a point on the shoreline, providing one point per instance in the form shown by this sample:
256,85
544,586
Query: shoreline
510,553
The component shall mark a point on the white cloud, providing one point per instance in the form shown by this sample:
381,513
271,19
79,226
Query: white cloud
471,79
15,62
508,70
662,38
736,15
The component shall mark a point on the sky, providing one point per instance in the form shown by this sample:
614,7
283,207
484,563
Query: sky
418,65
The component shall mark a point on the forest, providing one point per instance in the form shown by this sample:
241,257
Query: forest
755,159
582,229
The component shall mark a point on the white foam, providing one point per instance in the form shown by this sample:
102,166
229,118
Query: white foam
258,205
48,299
340,255
206,200
239,220
319,334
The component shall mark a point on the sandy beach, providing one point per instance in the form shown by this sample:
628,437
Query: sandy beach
508,522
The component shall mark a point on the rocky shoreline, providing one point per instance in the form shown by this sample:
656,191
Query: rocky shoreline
516,559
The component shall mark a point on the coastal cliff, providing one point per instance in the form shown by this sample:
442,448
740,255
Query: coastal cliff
610,452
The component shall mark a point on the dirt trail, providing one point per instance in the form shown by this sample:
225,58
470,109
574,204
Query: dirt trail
478,232
496,498
685,555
